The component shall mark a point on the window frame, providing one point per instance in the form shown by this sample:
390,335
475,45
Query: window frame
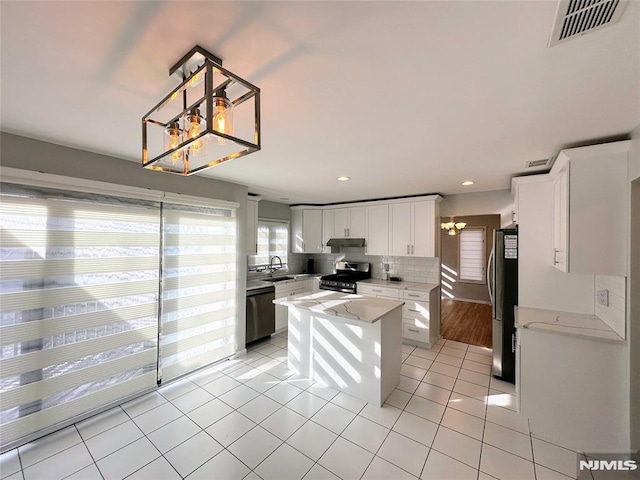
272,222
483,260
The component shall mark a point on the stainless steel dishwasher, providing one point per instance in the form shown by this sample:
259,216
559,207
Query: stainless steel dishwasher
261,313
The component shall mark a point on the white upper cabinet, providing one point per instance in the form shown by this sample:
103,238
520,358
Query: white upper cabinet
252,227
560,225
349,222
399,229
591,221
306,231
327,229
413,229
389,227
312,231
377,237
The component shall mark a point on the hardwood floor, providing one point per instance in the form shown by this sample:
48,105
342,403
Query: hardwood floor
466,322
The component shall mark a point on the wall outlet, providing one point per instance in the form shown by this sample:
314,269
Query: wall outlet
602,297
385,267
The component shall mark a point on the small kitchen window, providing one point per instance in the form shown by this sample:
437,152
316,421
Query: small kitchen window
273,240
472,255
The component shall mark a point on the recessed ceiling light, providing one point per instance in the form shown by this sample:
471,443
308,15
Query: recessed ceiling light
467,183
343,179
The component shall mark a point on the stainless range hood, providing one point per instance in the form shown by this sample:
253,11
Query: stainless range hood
346,242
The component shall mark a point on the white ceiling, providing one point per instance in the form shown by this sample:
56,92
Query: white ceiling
403,97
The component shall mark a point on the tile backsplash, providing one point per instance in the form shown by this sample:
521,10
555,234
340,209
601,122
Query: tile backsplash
614,314
410,269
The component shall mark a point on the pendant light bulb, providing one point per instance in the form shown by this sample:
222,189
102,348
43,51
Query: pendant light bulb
223,116
172,138
194,128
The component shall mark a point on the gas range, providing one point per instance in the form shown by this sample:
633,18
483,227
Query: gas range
346,276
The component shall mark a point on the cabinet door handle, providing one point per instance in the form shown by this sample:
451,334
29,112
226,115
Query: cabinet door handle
555,256
374,290
411,310
413,330
413,295
513,342
348,232
407,249
412,249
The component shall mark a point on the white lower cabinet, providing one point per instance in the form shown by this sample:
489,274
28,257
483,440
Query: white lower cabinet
288,289
573,390
420,312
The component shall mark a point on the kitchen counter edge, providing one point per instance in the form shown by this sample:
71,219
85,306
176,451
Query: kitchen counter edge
570,324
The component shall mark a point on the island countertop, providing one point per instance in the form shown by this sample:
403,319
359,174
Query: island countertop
351,306
402,285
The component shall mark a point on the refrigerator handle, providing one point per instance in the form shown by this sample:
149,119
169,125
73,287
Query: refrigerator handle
489,265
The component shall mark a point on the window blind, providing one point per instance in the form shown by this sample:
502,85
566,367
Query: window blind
78,304
273,239
472,254
198,288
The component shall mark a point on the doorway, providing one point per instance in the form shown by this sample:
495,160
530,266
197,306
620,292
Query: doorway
465,301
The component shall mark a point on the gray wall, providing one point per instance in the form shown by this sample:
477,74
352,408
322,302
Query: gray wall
482,203
280,211
28,154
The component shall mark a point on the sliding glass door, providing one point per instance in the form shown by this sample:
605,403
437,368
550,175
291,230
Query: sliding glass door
89,283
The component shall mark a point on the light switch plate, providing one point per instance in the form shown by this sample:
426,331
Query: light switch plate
602,297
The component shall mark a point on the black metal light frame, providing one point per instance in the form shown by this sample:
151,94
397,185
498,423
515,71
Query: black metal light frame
207,63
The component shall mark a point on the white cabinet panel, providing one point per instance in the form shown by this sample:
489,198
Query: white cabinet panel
252,227
349,222
327,229
312,231
289,289
296,245
306,231
377,237
413,229
357,222
591,209
424,229
400,229
340,222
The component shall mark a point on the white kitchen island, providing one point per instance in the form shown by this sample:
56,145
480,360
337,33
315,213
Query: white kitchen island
350,342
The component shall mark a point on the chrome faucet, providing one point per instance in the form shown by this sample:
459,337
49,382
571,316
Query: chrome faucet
272,267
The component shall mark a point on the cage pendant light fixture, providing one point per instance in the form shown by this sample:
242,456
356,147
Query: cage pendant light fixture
452,227
211,117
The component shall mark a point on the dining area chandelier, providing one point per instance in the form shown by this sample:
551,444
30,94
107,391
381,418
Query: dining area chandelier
211,117
453,227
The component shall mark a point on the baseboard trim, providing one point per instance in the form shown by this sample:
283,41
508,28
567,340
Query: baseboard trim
470,300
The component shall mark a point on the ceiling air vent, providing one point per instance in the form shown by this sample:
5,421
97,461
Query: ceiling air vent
545,162
577,17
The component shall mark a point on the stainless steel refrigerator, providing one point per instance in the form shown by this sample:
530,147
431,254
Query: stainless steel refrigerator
502,280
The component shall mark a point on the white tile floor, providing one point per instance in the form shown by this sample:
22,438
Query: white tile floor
250,418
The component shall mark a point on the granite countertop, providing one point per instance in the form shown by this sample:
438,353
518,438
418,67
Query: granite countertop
256,282
564,323
343,305
421,287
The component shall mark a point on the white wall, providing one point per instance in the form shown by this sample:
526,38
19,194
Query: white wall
481,203
28,154
633,289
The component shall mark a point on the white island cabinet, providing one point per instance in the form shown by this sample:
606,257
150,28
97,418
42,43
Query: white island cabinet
350,342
